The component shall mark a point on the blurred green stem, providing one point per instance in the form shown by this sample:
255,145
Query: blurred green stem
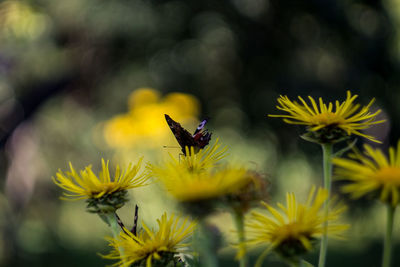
297,263
115,229
239,221
327,164
204,245
387,248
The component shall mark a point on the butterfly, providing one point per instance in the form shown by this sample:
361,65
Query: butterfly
198,140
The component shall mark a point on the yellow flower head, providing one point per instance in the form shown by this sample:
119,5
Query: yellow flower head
372,174
292,230
149,245
202,160
186,186
100,189
199,178
144,124
329,122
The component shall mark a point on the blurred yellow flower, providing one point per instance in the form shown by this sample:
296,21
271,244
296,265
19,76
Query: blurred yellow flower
325,124
100,190
198,176
372,174
292,230
143,97
186,186
197,162
149,245
145,124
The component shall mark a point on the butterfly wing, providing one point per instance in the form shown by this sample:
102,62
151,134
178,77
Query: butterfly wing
183,137
201,136
200,127
202,139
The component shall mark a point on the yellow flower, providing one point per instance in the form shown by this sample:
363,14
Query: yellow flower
149,245
292,230
101,190
144,124
196,162
198,177
186,186
372,174
326,123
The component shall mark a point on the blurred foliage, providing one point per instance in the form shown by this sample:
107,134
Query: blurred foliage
67,69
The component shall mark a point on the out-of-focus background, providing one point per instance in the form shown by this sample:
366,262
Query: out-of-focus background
86,79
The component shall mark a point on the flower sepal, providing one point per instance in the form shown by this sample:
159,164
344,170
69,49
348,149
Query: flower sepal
167,259
293,249
327,135
200,208
108,203
249,195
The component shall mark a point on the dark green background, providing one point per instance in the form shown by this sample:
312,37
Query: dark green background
237,55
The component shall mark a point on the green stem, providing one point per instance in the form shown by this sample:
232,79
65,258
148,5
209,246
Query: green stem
204,245
239,221
115,229
387,248
327,164
296,263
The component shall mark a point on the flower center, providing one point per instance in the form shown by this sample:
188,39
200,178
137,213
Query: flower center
389,175
327,118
